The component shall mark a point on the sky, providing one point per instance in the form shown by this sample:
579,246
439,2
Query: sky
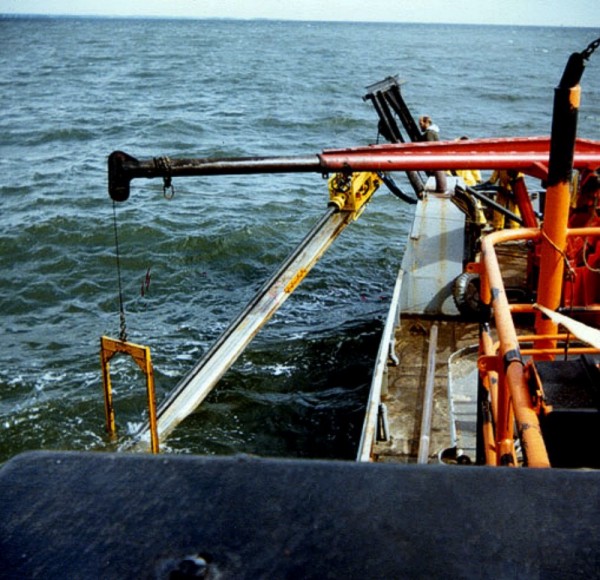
525,12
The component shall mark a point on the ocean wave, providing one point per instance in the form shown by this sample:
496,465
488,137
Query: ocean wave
219,89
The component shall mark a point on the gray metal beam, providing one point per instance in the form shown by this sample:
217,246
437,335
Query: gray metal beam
199,382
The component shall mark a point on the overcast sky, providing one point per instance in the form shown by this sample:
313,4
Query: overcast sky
529,12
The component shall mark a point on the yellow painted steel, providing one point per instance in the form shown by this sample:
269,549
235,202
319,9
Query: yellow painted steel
109,347
351,192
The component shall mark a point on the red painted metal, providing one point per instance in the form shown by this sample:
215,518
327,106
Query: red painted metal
529,155
524,203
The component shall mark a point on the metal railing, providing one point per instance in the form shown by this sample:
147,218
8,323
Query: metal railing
501,363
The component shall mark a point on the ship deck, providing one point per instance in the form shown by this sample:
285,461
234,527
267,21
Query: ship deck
406,382
451,433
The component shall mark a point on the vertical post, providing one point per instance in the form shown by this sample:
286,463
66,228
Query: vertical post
154,441
423,454
109,411
556,214
504,427
487,399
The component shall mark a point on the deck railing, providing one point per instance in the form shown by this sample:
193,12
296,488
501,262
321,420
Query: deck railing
501,363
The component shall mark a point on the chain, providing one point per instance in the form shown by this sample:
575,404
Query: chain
123,324
593,46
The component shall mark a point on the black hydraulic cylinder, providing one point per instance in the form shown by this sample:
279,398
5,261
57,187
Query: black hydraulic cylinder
495,205
564,122
386,96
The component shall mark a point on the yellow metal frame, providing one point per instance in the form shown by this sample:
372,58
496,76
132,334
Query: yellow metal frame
351,191
109,347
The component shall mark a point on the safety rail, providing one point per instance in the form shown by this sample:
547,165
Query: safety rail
501,364
378,383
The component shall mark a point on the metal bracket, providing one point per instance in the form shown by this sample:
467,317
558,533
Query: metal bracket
474,268
351,191
488,363
383,428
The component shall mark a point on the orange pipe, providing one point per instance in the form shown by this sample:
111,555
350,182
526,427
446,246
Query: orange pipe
535,337
502,236
528,424
504,422
514,385
556,216
559,351
522,309
552,260
489,379
518,308
526,417
489,443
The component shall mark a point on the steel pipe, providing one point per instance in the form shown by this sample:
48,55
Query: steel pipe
367,439
425,438
198,383
526,154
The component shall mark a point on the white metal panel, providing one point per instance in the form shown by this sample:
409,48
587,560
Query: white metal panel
433,257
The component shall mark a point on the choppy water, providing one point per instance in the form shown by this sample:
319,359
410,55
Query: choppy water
73,90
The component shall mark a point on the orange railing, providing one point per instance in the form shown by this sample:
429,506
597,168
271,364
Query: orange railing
501,363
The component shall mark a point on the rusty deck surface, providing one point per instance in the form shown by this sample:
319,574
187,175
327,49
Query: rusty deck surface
406,381
405,393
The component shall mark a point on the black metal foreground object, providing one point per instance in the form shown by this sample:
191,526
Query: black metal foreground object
122,168
386,98
78,515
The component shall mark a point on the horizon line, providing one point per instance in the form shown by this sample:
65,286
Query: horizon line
17,15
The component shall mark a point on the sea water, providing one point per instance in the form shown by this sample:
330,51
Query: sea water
74,90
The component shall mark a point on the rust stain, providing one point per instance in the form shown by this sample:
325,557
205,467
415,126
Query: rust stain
295,281
575,97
